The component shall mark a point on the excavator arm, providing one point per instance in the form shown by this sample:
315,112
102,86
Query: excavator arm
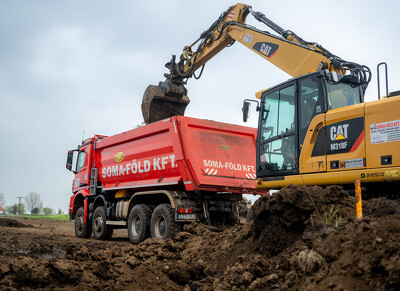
285,50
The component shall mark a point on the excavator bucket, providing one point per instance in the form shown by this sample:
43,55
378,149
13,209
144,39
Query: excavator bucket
157,105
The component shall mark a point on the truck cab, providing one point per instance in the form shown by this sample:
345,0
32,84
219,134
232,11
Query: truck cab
80,165
80,161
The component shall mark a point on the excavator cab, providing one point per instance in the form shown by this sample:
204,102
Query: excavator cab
286,113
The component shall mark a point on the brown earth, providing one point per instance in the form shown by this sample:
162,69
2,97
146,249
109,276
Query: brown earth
287,247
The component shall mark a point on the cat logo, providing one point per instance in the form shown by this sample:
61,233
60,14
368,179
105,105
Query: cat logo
339,132
267,49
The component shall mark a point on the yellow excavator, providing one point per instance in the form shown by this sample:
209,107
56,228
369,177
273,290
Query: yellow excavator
314,129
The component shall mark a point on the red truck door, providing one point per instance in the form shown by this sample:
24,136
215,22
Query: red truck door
83,167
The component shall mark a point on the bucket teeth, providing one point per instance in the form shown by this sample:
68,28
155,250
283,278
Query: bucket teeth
157,106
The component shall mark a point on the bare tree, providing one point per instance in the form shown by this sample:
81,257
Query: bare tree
32,200
2,200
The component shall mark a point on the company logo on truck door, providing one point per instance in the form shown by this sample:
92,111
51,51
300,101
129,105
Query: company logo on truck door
139,166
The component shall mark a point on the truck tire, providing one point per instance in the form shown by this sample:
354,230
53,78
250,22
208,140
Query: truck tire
82,229
101,230
250,215
162,224
139,223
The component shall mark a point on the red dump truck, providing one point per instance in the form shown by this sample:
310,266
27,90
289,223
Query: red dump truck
154,179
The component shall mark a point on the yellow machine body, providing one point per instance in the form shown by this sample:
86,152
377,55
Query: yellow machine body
373,154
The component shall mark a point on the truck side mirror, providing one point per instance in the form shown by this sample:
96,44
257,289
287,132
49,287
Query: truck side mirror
246,110
70,160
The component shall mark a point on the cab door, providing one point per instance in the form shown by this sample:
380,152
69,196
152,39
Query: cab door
277,149
312,120
83,167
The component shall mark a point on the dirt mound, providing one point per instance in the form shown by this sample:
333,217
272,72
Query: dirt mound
9,222
301,238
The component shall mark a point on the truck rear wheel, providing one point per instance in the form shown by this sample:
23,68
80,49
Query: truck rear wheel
139,223
82,229
162,224
101,230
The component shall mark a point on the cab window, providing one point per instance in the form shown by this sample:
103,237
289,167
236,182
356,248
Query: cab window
342,94
277,144
80,161
278,113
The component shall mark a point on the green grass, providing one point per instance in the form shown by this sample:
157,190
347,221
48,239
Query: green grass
42,216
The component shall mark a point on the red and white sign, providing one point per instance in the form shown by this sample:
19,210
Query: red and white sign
230,16
211,172
251,176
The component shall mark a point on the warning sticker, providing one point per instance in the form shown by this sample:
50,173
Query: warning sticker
230,16
392,173
385,132
247,38
353,163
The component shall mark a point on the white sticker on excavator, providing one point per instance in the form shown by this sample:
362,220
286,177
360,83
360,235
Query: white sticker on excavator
385,132
353,163
248,38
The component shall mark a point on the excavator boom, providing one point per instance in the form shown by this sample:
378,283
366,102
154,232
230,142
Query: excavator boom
285,50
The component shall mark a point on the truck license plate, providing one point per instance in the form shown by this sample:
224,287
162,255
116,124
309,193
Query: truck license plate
186,216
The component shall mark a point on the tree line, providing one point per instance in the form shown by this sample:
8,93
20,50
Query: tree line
33,204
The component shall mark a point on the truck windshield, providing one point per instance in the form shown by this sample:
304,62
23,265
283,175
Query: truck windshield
81,161
342,94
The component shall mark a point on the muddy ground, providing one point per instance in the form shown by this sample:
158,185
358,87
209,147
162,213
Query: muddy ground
290,245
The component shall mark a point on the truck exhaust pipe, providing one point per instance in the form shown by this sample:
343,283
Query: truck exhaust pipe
163,101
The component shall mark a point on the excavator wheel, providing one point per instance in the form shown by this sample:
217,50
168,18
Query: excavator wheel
157,106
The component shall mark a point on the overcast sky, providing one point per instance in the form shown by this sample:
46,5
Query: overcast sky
73,66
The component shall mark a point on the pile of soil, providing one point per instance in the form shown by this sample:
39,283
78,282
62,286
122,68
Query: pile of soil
301,238
9,222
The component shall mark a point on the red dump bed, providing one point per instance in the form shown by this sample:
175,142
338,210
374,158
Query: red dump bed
199,154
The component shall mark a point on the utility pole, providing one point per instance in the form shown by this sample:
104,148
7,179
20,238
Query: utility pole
19,205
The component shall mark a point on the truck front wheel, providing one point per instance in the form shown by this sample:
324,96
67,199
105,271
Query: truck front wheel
139,223
101,230
82,229
162,224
